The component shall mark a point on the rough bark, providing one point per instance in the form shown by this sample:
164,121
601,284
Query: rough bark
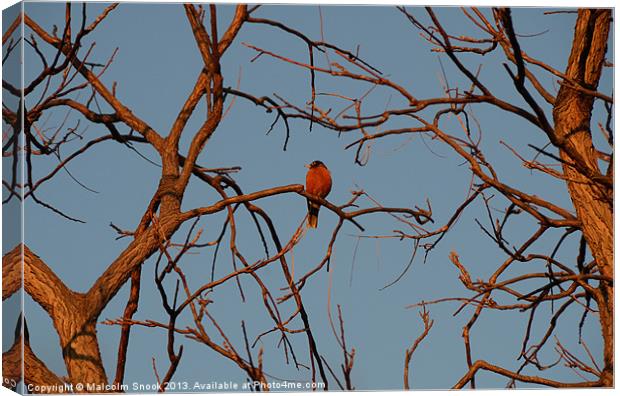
75,314
593,202
68,310
36,372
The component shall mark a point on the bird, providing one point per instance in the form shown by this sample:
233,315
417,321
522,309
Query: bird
319,184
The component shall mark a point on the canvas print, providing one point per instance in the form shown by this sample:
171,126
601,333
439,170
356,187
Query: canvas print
232,198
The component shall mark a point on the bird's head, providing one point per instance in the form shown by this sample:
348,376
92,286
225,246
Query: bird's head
315,164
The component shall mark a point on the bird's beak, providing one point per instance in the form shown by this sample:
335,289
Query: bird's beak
307,166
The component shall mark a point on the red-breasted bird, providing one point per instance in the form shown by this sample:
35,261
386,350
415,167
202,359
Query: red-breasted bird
318,183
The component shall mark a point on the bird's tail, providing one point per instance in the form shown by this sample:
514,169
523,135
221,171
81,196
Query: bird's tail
313,214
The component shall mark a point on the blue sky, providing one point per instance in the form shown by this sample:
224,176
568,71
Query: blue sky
155,67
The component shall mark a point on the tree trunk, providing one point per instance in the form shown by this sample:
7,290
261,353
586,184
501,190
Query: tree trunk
81,354
593,201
